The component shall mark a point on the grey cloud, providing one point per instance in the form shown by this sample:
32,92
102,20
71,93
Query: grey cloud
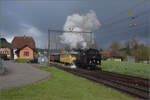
43,15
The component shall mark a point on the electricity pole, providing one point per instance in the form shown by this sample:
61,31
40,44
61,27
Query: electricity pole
0,39
1,66
48,46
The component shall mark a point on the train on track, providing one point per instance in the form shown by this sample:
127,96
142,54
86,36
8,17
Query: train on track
87,59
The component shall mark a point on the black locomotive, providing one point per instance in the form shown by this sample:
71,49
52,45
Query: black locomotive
88,59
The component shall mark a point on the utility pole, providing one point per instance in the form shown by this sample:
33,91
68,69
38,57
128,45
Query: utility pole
0,42
0,39
56,44
48,46
1,63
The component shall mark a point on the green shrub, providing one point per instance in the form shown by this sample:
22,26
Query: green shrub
22,60
1,71
3,56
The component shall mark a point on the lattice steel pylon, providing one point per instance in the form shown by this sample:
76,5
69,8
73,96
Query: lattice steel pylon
53,40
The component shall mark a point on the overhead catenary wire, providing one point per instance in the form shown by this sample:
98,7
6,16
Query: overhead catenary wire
124,20
128,27
113,24
55,45
123,12
112,27
121,27
132,32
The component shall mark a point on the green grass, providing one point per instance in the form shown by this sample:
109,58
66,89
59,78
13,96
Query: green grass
22,60
135,69
63,86
1,71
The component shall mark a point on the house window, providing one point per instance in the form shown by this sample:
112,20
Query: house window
26,53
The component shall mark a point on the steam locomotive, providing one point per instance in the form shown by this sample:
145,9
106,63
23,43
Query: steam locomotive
88,59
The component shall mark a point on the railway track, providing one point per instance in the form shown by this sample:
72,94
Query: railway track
135,86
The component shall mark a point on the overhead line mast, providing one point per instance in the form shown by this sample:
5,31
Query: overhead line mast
50,42
69,31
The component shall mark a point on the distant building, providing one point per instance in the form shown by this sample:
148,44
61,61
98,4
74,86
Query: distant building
23,47
5,48
130,59
111,55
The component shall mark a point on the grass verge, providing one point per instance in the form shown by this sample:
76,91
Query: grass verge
63,86
135,69
1,71
22,60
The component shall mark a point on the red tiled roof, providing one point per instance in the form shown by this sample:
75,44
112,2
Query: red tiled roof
111,52
21,41
106,52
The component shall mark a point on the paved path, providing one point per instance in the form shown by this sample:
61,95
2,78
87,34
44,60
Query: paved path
20,74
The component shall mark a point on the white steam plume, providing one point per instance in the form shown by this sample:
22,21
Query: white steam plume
77,22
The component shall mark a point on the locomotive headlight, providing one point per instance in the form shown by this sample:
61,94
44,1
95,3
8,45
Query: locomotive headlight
98,62
90,62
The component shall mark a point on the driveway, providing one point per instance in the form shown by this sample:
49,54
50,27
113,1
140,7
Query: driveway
20,74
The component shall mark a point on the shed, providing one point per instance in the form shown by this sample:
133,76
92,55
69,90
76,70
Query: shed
111,55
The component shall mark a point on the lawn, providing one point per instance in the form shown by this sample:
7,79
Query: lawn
135,69
22,60
63,86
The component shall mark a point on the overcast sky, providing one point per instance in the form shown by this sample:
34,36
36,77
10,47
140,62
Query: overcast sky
35,17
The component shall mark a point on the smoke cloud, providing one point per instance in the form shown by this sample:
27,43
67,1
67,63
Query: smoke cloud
77,22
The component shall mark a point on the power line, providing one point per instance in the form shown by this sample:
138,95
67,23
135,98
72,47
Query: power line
129,31
123,12
122,26
124,19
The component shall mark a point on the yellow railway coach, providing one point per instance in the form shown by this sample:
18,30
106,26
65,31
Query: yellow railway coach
67,58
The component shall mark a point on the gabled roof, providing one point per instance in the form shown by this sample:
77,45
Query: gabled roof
21,41
22,48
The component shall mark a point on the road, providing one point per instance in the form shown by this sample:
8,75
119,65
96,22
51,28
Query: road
20,74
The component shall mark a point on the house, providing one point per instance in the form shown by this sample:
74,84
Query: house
111,55
5,49
130,58
23,47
